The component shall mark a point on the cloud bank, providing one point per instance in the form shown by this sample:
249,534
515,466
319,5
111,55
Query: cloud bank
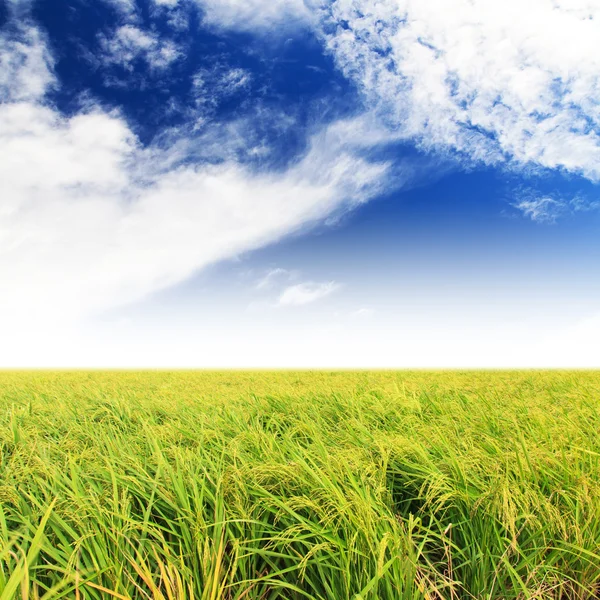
90,219
515,82
509,83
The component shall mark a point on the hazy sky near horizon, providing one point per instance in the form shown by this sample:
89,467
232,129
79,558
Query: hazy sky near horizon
299,183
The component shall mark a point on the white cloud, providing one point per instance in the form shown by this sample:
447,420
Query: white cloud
242,15
77,226
255,14
543,209
306,293
547,208
129,43
90,220
268,280
220,82
177,13
496,81
583,204
25,66
126,8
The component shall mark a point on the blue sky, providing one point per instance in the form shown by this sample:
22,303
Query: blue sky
300,183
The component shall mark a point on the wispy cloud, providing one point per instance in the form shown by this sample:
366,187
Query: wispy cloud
548,208
273,276
277,17
542,210
127,9
211,86
129,43
307,293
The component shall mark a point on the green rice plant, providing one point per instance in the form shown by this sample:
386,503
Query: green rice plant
292,485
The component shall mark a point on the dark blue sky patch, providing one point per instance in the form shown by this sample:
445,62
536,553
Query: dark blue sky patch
3,13
292,76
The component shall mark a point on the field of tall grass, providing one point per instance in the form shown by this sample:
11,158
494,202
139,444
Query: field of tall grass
293,485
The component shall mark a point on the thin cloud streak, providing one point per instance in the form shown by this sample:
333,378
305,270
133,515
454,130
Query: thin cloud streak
307,293
268,281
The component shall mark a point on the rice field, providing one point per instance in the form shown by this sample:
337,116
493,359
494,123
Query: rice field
294,485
